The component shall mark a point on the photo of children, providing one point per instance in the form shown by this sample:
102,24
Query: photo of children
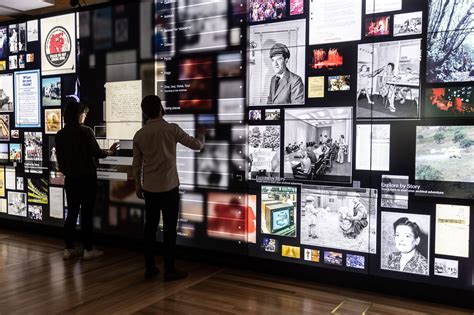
339,218
408,24
389,80
339,83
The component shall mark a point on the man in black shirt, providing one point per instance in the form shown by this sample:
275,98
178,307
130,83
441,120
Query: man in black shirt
77,153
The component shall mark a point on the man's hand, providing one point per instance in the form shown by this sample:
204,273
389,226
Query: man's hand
113,148
140,193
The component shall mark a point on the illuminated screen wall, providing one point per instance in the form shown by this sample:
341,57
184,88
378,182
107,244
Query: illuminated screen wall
341,133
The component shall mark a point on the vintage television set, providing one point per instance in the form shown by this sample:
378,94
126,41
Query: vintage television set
279,216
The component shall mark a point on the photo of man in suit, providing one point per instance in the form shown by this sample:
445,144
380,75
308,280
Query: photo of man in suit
286,87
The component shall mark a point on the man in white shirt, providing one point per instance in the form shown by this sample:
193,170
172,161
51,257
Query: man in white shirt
156,180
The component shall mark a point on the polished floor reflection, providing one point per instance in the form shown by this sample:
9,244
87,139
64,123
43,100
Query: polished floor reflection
34,279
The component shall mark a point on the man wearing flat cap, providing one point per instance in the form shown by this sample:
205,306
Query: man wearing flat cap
286,87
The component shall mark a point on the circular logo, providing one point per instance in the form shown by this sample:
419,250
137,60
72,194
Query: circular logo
58,46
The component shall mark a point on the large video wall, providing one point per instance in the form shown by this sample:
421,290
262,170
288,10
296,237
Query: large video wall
341,133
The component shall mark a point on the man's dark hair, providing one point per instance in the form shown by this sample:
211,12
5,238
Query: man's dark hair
152,107
72,112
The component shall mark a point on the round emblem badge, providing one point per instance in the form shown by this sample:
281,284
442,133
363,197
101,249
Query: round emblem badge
58,46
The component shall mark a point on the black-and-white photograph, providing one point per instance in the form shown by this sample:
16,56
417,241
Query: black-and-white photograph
13,62
339,218
255,115
3,41
17,204
35,212
318,144
264,151
388,80
405,239
406,24
394,189
450,42
19,183
6,93
22,37
446,268
32,27
276,63
13,38
21,61
213,165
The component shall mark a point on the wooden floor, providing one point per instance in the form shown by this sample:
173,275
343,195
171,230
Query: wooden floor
34,279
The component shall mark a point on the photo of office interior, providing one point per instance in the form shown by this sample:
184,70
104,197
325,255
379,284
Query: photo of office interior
236,157
318,143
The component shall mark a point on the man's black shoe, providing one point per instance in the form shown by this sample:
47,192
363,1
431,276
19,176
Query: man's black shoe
150,273
171,275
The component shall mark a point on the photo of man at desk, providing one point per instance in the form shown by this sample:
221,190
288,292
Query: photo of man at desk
389,86
318,144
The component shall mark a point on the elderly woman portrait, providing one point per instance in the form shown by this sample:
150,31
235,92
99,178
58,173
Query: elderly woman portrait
405,248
